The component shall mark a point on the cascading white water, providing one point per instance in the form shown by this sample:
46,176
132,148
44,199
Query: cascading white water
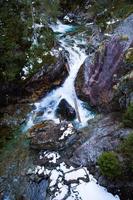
84,190
67,91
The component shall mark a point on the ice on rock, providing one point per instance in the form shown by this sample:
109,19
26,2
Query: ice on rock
41,171
51,156
37,169
68,131
82,190
62,129
40,157
113,21
47,172
64,168
75,175
62,193
82,185
53,177
91,190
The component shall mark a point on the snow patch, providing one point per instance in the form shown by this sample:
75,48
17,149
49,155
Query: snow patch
68,131
75,175
51,156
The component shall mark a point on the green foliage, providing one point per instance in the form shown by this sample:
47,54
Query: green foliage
51,8
118,8
126,149
39,51
17,30
70,4
128,117
105,10
109,165
124,10
129,56
13,37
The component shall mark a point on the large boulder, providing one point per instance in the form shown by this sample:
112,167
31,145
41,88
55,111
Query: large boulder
65,110
101,71
48,77
104,134
50,136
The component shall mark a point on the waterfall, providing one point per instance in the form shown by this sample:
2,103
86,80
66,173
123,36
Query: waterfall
67,91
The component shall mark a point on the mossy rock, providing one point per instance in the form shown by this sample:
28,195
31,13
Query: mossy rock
128,117
126,149
129,56
109,165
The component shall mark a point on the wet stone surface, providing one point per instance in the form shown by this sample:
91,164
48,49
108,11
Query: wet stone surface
50,136
65,111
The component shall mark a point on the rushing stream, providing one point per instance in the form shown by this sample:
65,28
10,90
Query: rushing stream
89,190
67,91
83,191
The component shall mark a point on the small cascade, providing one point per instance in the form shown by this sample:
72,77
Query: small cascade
49,103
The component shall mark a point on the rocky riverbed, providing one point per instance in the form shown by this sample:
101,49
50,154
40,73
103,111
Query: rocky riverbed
47,150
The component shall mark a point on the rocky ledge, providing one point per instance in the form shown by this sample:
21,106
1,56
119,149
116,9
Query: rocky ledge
103,133
49,77
50,136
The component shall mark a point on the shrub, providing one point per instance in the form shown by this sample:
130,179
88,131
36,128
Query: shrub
109,165
128,117
126,149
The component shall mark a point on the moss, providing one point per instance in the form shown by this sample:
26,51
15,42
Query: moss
129,56
123,9
126,149
128,117
109,165
17,49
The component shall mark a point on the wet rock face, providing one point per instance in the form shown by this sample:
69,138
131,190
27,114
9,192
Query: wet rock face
104,135
98,76
65,110
50,136
35,191
48,77
26,190
125,29
100,72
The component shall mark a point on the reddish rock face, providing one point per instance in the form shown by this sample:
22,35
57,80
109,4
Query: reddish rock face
97,75
98,78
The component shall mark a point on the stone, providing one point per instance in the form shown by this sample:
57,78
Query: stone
102,70
50,136
65,111
95,80
47,78
104,134
36,190
125,29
